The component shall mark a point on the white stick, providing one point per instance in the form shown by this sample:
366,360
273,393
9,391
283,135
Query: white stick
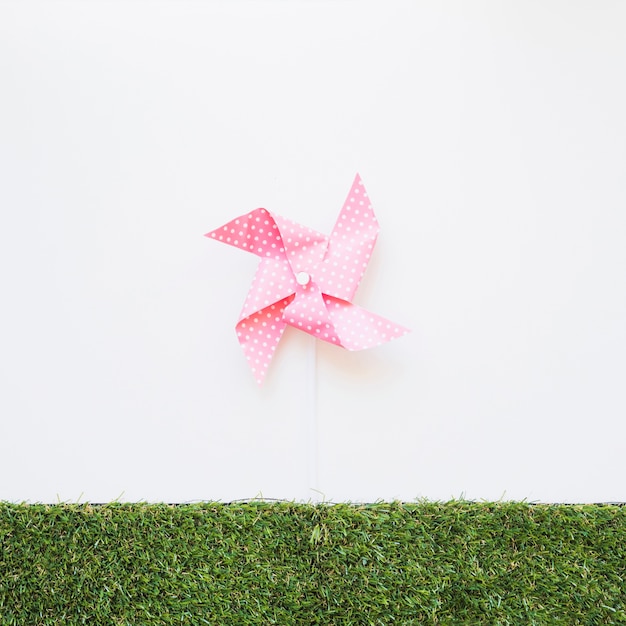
311,429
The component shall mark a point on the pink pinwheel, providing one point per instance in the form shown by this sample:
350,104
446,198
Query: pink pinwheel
307,280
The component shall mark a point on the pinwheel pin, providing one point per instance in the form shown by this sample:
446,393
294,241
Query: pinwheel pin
307,280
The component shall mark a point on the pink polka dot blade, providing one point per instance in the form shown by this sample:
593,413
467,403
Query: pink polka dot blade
273,281
359,329
351,244
308,312
255,232
304,246
259,334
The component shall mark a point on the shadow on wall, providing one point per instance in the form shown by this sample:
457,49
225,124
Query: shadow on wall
378,365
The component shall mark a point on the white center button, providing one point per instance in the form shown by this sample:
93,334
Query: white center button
302,278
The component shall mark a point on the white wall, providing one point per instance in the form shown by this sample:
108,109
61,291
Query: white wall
491,137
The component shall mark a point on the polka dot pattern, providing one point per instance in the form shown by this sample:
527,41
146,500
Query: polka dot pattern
307,312
358,328
304,246
272,282
321,304
259,335
350,245
256,232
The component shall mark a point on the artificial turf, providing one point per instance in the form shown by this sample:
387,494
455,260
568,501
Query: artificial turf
286,563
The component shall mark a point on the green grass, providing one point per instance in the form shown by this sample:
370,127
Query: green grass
285,563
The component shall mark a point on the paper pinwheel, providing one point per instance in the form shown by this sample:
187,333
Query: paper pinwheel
307,280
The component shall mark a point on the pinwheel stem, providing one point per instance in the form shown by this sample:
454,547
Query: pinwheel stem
311,425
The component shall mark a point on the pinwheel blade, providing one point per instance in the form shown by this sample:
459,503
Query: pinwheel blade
308,313
255,232
350,246
358,328
259,334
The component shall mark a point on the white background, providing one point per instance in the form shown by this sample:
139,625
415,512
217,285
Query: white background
491,137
